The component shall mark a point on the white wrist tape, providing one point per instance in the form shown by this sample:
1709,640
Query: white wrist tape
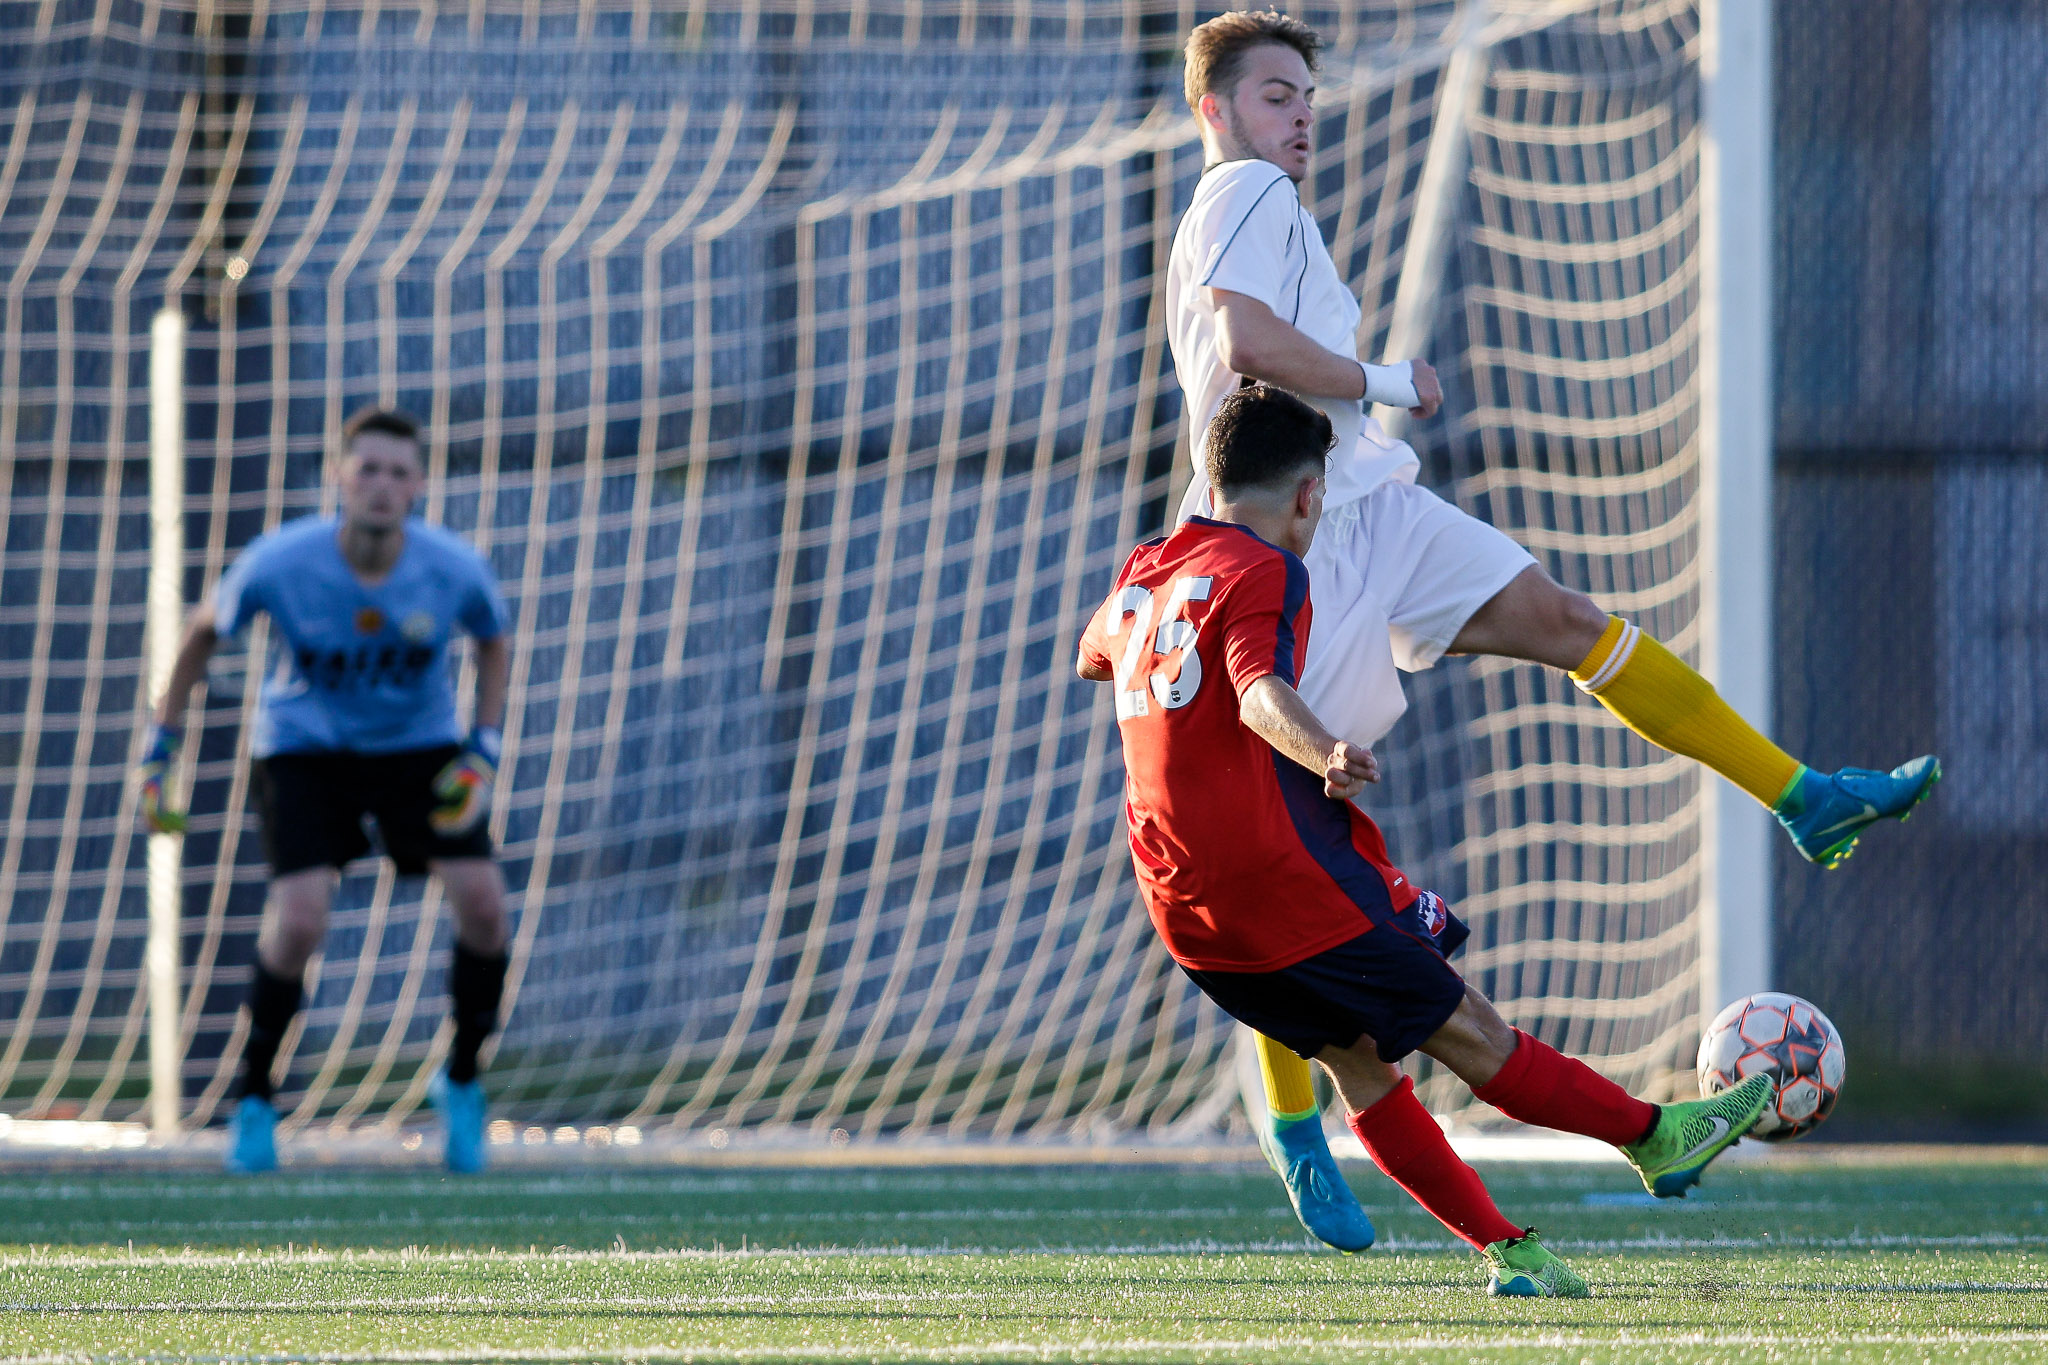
1393,385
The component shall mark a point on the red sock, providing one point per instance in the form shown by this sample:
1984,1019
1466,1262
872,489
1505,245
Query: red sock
1541,1085
1405,1142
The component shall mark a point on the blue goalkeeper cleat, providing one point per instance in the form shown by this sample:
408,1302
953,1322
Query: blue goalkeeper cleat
1687,1136
1325,1204
252,1137
1824,813
461,1105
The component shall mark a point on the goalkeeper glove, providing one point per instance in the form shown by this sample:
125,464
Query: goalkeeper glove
155,770
464,786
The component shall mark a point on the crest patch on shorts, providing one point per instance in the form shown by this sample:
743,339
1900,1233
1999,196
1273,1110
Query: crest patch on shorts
1435,915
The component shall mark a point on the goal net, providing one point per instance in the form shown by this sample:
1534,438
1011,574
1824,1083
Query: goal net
801,369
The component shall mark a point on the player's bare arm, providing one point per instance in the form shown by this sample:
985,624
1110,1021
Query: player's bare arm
195,652
1253,341
1276,713
160,755
493,680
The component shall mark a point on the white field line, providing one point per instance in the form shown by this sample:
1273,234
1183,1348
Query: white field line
1093,1348
704,1304
427,1218
510,1306
684,1182
344,1222
40,1257
212,1187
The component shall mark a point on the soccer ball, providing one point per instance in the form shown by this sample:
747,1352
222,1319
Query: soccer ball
1786,1037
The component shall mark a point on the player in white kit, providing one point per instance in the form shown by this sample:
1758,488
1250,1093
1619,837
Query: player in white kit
1400,577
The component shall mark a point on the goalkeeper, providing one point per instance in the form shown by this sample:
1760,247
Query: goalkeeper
1275,893
1402,577
358,721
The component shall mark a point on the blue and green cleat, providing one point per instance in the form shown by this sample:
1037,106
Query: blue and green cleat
1523,1268
1689,1135
1825,812
252,1137
1300,1155
461,1106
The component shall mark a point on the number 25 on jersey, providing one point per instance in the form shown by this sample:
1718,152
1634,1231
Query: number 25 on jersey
1143,666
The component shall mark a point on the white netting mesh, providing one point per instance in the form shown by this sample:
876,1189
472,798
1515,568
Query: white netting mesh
801,369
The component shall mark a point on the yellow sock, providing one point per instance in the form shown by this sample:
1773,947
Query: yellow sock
1290,1088
1654,693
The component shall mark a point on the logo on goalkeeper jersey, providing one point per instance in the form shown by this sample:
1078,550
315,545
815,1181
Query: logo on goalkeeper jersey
386,665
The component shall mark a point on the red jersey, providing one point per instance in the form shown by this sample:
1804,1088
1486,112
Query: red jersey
1245,865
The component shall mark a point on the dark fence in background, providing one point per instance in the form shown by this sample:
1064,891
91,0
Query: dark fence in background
1912,540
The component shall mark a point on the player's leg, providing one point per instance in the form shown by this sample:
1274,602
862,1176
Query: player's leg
1292,1139
1528,1080
476,986
1408,1145
1663,699
294,925
312,826
404,803
476,976
1393,983
1402,991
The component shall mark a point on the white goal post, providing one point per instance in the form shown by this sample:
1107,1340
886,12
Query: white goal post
1737,345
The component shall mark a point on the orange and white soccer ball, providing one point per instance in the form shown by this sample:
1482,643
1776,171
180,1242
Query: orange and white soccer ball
1792,1041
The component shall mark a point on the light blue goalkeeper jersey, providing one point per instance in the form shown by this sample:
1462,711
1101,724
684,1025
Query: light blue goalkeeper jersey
354,667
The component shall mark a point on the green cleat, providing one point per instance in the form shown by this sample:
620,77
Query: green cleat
1826,813
1523,1268
1689,1135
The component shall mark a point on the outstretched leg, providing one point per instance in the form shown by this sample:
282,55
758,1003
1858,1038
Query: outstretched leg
1663,699
1528,1080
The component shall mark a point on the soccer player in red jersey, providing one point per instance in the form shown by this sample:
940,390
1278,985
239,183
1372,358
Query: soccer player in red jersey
1276,894
1401,576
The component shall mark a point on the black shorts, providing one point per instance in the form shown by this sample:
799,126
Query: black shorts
314,808
1391,984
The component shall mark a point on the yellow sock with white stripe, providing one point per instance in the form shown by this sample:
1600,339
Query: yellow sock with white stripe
1290,1087
1656,694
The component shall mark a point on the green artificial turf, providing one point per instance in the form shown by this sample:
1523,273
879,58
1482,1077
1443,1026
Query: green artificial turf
1922,1260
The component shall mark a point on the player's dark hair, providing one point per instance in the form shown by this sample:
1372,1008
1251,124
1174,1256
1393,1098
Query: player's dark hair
1216,50
1264,438
383,421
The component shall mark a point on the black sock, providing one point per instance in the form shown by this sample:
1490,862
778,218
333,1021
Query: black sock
476,983
272,1002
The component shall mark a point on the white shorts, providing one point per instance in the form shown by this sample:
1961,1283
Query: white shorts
1393,577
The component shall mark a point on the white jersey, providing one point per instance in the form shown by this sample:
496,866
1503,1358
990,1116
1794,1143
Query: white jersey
1247,232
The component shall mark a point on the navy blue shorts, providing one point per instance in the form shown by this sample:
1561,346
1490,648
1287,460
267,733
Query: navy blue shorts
1391,984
